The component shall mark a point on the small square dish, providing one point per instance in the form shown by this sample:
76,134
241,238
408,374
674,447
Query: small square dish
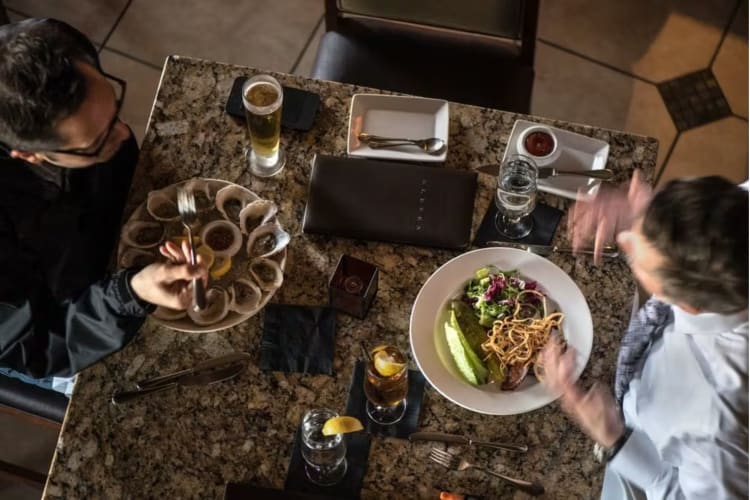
576,152
397,116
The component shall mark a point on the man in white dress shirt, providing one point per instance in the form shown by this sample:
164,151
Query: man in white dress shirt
680,430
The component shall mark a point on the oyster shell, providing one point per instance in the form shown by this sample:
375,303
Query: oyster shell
217,308
230,201
266,240
256,214
161,205
204,201
168,314
142,234
245,296
267,273
136,257
223,237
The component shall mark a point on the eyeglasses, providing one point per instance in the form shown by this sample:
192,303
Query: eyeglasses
119,86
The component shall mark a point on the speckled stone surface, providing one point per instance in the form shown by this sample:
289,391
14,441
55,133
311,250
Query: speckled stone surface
188,443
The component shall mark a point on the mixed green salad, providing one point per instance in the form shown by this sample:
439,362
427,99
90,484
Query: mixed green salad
489,295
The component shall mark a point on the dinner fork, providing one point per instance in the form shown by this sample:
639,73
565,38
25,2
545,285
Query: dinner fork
457,463
186,207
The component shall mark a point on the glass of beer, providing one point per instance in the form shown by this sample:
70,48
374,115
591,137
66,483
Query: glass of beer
386,385
262,97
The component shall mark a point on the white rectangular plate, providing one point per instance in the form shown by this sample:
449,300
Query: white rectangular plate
578,152
397,116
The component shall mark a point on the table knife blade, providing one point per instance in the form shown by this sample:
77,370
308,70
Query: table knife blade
208,365
457,439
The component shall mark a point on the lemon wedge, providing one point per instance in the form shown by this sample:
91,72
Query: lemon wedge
222,265
207,254
341,425
385,365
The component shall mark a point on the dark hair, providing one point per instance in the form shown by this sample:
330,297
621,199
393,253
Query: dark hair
39,82
701,226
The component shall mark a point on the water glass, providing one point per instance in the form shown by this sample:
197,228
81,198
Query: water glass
516,196
325,456
262,97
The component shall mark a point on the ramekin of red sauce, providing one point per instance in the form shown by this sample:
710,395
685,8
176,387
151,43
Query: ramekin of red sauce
539,143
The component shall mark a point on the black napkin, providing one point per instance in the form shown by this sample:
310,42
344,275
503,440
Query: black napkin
356,405
247,491
298,339
546,219
357,453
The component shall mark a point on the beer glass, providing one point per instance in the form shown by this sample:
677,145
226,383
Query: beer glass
325,456
262,97
516,196
386,385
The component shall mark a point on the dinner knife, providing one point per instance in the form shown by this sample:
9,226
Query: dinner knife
546,250
202,378
203,366
457,439
603,174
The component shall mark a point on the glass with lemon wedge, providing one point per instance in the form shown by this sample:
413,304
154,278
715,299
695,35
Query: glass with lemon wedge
386,385
323,446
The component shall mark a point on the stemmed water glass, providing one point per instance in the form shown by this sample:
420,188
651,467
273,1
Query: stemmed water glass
516,196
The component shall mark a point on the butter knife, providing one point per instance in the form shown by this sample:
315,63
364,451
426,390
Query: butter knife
454,438
545,250
202,378
203,366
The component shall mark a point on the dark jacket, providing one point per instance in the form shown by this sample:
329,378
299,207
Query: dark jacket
59,310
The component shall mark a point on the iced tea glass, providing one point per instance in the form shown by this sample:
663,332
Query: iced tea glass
262,97
386,385
325,456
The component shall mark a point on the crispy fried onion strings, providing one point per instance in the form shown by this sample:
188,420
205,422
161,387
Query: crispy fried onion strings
518,338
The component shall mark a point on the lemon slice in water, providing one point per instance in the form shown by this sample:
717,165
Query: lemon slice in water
341,425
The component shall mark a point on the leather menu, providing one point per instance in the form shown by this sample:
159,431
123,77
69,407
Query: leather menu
390,202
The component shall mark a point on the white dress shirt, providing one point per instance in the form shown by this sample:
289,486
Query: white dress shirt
688,408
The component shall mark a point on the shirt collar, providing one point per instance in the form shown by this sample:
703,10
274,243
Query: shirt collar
707,323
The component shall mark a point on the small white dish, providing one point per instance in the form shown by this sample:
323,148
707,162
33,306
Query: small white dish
397,116
575,152
541,161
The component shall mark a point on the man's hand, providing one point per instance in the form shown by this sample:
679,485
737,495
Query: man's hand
594,410
611,211
169,284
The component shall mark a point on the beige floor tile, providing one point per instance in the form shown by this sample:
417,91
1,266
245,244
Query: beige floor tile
304,68
266,34
143,82
95,18
718,148
655,40
571,88
730,67
10,491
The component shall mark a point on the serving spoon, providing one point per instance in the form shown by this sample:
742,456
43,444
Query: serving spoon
430,145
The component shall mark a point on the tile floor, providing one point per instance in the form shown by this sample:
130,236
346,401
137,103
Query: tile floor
598,62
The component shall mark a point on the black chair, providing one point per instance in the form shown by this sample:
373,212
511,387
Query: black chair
3,15
477,52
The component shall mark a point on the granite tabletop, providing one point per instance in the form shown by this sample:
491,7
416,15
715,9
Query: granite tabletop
189,442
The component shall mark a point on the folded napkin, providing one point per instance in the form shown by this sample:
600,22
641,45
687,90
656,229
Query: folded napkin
357,453
356,405
546,219
392,202
298,339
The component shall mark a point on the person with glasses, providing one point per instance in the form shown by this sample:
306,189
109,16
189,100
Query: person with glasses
66,165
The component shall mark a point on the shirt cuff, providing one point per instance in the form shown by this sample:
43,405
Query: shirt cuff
638,461
133,304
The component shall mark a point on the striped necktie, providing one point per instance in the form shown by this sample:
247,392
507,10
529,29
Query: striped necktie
646,327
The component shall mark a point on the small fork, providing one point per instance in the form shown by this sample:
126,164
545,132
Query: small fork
457,463
186,207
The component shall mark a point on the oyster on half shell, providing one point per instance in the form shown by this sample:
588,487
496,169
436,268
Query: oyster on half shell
267,240
168,314
137,257
230,201
162,206
256,214
217,307
204,201
267,273
223,237
142,234
245,296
